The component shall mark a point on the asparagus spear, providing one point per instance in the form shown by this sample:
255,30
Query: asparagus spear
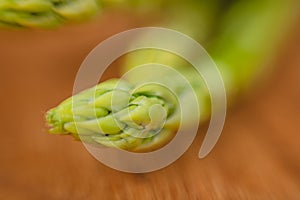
51,13
127,124
45,13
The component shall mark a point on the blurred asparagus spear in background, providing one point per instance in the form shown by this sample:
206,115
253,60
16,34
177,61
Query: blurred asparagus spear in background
244,37
51,13
45,13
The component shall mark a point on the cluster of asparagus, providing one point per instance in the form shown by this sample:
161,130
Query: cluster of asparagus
239,36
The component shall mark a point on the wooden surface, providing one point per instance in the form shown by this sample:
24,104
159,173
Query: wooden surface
257,156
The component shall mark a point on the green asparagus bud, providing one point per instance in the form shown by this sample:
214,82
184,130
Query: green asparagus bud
51,13
116,114
45,13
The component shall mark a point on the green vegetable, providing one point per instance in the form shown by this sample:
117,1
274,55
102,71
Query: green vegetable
51,13
45,13
117,114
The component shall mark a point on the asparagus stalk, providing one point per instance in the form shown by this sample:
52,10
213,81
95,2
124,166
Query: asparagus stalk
241,44
247,39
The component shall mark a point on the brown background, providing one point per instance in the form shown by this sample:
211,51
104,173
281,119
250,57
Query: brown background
257,156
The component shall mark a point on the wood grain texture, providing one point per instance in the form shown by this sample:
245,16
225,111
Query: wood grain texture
257,156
